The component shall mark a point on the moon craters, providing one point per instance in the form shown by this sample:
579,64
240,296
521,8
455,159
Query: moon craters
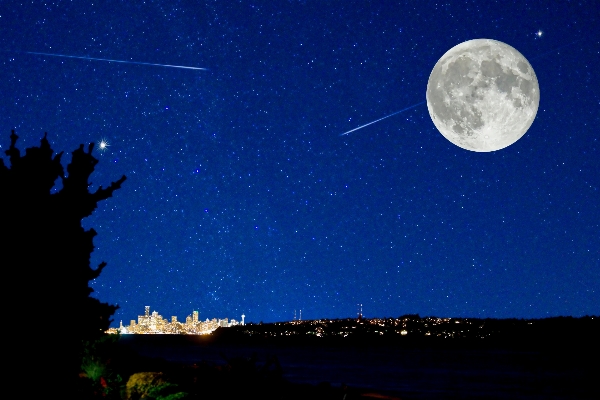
482,95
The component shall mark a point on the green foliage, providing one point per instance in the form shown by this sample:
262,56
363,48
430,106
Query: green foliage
166,391
96,364
152,385
96,354
139,384
94,369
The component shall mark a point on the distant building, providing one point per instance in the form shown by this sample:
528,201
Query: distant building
153,323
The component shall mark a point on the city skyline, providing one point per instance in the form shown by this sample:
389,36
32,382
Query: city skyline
154,323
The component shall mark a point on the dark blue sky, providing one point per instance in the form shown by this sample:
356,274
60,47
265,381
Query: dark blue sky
241,197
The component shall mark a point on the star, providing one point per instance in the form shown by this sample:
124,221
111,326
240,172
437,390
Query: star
102,145
539,34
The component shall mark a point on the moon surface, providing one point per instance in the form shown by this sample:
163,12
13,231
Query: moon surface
483,95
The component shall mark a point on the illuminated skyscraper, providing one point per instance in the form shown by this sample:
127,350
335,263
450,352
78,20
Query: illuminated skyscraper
153,323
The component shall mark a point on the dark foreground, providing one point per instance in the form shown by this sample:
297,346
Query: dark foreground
222,367
174,368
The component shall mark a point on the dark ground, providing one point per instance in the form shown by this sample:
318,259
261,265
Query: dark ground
301,369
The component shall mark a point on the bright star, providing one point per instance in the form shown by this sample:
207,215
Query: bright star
539,33
102,145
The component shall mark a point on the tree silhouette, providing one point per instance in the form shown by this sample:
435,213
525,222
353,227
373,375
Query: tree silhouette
45,257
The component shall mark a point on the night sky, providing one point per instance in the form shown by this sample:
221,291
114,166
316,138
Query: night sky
241,195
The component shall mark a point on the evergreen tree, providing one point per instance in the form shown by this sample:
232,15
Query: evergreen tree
45,256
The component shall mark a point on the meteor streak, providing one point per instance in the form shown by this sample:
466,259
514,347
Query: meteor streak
116,61
377,120
556,49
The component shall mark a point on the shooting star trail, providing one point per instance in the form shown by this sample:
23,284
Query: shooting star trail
556,49
116,61
380,119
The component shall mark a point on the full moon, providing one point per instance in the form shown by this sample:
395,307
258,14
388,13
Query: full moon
483,95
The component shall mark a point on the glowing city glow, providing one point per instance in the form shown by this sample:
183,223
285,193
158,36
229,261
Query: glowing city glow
153,323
